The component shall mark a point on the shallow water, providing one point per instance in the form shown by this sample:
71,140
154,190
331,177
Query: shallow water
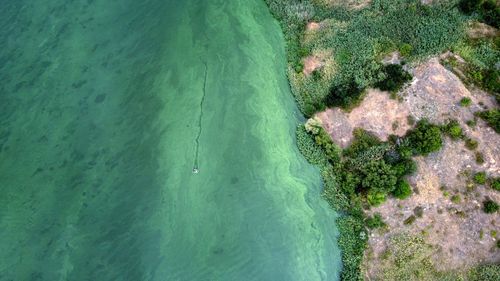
106,107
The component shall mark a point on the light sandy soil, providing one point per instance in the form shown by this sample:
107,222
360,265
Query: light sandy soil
481,30
377,113
317,60
312,26
461,232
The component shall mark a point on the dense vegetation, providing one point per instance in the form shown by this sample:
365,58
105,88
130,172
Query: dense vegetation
487,10
490,206
492,117
359,39
481,56
395,78
364,174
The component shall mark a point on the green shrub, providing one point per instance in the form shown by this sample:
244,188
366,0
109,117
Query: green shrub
378,176
361,142
308,147
488,10
492,117
453,129
375,198
322,139
471,123
480,178
469,6
331,149
465,102
375,222
405,167
490,206
411,219
425,138
455,199
479,158
402,190
405,50
471,144
404,149
343,95
495,183
491,80
395,78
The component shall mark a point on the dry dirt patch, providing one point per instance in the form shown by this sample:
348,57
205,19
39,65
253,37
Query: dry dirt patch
377,113
318,59
477,30
312,26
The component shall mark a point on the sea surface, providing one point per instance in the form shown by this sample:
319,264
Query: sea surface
153,140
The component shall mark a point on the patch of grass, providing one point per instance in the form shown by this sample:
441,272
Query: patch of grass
471,123
375,222
471,144
456,198
479,158
480,177
465,102
490,206
453,129
495,183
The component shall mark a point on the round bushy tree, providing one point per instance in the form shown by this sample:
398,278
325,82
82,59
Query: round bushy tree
490,206
495,184
405,167
402,190
378,176
453,129
375,198
425,138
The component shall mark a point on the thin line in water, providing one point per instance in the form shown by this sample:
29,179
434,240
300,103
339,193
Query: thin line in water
197,140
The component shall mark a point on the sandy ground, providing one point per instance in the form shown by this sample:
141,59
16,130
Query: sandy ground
318,59
481,30
462,232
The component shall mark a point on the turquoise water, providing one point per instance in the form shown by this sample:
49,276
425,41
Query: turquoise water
105,109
